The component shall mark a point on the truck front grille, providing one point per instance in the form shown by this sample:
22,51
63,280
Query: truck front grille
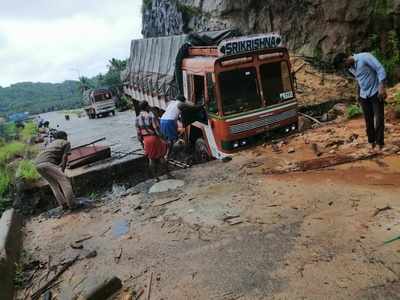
262,122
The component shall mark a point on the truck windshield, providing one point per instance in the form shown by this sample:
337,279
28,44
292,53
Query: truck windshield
239,90
102,97
276,84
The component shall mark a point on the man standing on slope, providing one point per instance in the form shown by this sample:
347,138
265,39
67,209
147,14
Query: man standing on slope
371,79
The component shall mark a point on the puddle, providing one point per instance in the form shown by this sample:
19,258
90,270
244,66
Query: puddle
120,228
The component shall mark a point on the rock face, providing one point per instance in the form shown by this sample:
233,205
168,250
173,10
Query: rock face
310,27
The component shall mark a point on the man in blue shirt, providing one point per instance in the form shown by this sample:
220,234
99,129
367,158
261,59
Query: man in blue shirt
371,79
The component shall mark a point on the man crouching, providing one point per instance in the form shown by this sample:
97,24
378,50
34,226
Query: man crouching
51,164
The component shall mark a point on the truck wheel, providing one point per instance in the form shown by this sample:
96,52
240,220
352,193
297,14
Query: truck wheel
201,153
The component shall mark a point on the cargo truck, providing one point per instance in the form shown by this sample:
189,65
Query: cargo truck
245,84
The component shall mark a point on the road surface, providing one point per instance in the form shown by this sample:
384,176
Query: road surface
119,130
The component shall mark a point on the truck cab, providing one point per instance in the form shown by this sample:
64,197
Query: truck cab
246,96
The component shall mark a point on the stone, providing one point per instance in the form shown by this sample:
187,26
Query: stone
166,185
291,150
304,124
339,109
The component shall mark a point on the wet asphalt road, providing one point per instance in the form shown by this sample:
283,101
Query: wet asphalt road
119,130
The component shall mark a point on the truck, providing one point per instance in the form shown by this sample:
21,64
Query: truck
245,84
99,102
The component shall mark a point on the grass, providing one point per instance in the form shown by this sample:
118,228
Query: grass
4,183
353,111
27,171
10,151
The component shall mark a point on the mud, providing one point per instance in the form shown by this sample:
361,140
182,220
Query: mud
304,235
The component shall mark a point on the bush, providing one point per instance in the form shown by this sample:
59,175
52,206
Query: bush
30,130
353,111
27,171
9,131
10,151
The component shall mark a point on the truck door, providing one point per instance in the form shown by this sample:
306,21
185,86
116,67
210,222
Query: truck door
196,97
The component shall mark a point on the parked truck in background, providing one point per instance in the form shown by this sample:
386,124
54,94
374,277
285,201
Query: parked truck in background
244,83
99,103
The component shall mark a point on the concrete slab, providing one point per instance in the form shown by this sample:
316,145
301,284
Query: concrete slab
166,185
10,247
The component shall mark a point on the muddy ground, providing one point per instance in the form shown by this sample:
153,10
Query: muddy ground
234,231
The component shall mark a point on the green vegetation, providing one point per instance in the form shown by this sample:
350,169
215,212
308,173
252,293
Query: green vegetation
111,80
353,111
4,184
10,151
8,131
27,171
15,163
146,5
389,58
29,131
385,41
39,97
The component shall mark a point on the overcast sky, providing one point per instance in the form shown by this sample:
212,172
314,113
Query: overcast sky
54,40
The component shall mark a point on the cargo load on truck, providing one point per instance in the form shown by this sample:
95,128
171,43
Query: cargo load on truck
153,63
244,83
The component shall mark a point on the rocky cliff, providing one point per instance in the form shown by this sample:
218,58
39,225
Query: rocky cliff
310,27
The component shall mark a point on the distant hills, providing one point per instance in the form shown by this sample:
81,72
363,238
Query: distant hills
39,97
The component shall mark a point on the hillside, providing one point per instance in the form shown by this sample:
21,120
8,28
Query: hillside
39,97
312,28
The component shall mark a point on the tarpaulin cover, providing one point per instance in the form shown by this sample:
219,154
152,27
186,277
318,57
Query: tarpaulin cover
153,61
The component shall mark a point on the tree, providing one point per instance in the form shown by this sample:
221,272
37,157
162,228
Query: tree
84,84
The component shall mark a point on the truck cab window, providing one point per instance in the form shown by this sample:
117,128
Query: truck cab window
276,84
239,90
212,101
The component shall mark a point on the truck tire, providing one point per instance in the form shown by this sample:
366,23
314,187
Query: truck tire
201,153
